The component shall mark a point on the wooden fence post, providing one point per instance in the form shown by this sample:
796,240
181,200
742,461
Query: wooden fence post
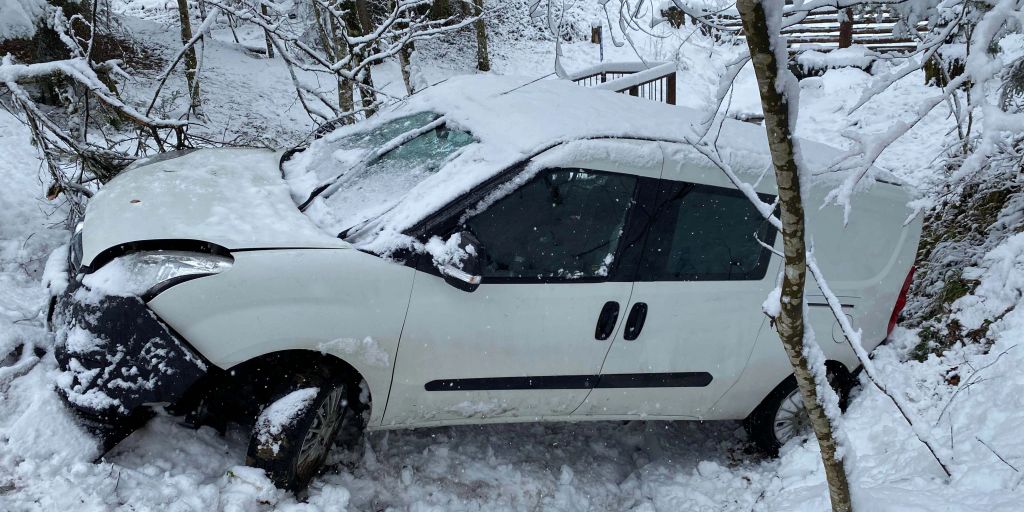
670,89
595,37
846,29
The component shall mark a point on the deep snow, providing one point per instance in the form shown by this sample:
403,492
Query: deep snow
46,459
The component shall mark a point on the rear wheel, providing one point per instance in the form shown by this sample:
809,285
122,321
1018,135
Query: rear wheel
296,430
782,416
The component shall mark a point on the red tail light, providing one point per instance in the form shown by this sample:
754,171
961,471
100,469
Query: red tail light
901,302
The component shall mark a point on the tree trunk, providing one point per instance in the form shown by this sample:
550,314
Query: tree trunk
366,92
191,64
846,29
404,54
341,50
790,322
231,25
266,34
440,9
404,63
363,16
332,38
483,61
359,23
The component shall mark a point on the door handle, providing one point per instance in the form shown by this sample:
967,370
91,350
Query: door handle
635,321
606,320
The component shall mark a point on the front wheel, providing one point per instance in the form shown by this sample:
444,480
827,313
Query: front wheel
782,416
295,432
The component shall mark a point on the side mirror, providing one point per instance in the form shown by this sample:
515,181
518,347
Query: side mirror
460,262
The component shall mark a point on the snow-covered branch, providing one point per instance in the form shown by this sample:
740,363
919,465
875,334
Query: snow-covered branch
350,43
79,70
854,339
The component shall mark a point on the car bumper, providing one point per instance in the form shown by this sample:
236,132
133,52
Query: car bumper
117,359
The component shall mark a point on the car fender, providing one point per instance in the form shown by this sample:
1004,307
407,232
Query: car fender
340,302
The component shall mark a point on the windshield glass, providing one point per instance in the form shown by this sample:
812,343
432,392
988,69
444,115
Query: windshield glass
383,133
367,174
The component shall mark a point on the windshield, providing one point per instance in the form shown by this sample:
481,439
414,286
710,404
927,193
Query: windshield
349,179
383,133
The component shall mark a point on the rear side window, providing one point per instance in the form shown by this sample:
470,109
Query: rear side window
706,233
564,224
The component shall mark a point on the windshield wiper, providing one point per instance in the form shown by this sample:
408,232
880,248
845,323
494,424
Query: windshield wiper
328,187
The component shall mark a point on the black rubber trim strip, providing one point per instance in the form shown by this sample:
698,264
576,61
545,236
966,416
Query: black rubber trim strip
655,380
510,383
614,381
164,285
160,244
825,305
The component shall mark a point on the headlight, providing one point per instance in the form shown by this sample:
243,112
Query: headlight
146,274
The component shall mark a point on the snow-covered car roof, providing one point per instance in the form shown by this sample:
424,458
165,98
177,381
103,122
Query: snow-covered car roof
511,119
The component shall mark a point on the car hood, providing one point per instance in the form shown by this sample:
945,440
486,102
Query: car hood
234,198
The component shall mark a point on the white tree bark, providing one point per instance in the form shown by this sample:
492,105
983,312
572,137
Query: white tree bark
765,56
191,63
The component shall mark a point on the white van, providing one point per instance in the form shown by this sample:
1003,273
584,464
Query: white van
485,251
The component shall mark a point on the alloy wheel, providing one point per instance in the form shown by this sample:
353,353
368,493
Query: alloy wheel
320,436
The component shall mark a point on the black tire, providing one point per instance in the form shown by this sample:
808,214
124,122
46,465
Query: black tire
761,424
293,456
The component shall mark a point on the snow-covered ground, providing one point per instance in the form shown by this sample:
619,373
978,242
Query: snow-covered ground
46,460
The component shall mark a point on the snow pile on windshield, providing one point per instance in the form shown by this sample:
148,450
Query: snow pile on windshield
344,179
386,175
280,414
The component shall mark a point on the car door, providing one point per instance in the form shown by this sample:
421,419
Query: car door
530,340
695,310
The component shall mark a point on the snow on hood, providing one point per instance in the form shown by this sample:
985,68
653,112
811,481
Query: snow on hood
235,198
512,119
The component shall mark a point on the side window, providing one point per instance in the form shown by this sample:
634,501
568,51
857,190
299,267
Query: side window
562,224
705,233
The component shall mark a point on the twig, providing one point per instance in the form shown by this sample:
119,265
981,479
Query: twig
1000,457
968,382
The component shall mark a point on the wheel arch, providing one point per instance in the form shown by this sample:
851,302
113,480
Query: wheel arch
832,366
260,372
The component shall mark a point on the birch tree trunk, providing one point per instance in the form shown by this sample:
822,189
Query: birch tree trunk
346,96
405,56
367,94
191,63
790,322
332,38
361,24
405,65
483,61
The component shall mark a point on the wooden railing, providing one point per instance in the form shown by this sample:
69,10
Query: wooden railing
653,80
